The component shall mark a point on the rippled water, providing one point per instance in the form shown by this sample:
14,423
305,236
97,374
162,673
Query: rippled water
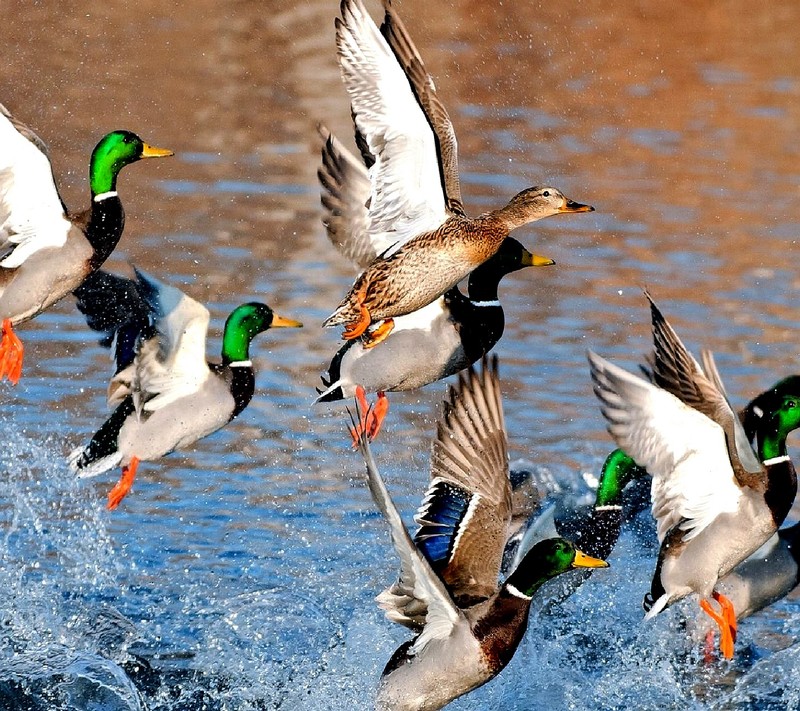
240,574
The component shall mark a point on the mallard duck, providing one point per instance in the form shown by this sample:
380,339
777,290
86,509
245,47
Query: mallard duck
427,345
468,627
596,533
166,395
415,206
773,571
715,502
45,253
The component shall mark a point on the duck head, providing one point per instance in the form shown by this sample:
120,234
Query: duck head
546,560
782,417
618,471
538,202
509,258
116,150
756,409
244,323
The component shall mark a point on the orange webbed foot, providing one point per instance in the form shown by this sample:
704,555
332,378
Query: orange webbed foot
123,486
11,352
373,338
370,418
727,612
356,328
727,630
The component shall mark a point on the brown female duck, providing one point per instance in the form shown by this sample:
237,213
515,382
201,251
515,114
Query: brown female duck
415,206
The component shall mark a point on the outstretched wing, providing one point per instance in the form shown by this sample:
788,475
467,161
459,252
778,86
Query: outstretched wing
345,193
114,306
683,450
465,516
172,364
424,90
407,196
675,370
32,215
418,585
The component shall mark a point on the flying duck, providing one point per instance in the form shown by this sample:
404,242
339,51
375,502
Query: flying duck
426,345
46,252
467,626
415,207
715,502
165,394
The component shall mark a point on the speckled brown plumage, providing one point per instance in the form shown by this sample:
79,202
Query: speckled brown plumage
433,262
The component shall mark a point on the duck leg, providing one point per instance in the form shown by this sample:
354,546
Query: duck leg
726,631
727,612
11,352
356,328
123,486
373,338
370,417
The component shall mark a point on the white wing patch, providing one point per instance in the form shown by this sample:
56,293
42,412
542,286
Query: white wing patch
31,213
173,364
407,194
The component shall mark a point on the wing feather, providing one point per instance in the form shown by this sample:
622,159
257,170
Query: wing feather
32,215
424,90
345,186
407,195
677,371
683,450
417,582
470,454
173,363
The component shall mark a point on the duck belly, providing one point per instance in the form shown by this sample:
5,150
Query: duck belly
443,672
423,348
44,278
716,551
174,426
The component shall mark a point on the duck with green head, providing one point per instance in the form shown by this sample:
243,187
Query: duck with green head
45,253
715,500
166,395
596,533
467,625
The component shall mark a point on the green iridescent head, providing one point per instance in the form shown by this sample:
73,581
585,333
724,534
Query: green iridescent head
618,471
775,425
244,323
766,402
113,153
546,560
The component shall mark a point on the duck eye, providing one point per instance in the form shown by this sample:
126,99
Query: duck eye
791,403
546,193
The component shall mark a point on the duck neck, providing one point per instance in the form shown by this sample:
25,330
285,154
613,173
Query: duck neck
511,216
107,218
771,442
527,579
483,284
618,470
105,226
235,343
479,321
